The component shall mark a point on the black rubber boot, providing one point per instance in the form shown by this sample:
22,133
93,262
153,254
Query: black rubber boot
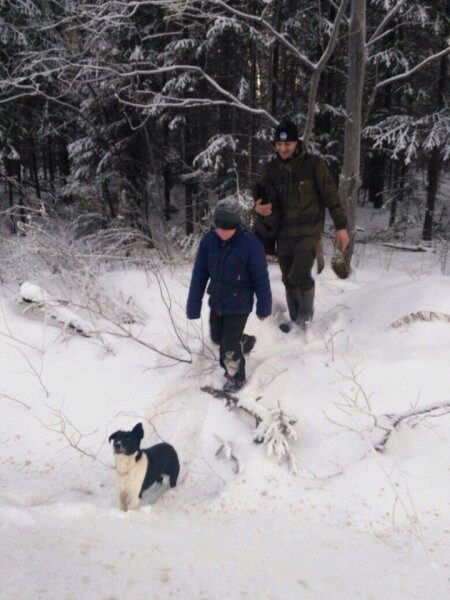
247,343
305,308
292,304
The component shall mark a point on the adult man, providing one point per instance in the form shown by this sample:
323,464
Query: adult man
295,189
233,261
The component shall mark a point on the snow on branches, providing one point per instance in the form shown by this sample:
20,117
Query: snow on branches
274,427
277,436
420,315
390,422
211,157
34,295
404,133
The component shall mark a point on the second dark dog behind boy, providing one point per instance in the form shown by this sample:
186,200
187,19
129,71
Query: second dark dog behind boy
232,259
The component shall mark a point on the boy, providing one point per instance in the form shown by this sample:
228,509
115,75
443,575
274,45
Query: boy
233,261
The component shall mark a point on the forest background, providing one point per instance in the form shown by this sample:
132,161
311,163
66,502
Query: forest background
141,114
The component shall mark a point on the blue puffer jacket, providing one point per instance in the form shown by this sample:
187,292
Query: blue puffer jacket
236,270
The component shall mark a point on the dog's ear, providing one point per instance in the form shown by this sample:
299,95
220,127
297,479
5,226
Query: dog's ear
138,431
113,436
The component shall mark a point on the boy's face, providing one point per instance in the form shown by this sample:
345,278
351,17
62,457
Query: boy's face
225,234
286,149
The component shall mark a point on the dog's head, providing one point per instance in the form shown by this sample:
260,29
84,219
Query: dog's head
127,442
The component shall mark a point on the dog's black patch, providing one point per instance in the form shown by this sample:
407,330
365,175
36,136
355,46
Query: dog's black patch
162,460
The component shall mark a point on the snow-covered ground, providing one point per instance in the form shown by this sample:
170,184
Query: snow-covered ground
354,523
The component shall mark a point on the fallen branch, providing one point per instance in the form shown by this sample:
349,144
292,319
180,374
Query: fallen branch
273,427
421,315
12,399
55,309
394,420
73,436
233,402
406,247
36,373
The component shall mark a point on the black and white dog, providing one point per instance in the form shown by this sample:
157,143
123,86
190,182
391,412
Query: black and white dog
138,469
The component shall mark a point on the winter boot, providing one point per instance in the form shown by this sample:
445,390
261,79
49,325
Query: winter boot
305,308
233,384
247,343
292,304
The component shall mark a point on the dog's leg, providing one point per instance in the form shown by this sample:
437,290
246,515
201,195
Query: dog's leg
134,503
123,499
173,475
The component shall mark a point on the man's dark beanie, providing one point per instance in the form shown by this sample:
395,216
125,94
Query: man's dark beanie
226,214
286,131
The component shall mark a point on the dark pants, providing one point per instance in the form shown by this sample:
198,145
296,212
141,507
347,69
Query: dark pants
296,259
227,330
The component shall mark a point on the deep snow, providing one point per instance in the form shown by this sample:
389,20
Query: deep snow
353,524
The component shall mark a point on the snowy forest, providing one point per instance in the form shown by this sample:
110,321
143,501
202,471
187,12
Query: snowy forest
123,123
127,112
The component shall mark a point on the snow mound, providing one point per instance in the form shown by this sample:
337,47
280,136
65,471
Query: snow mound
379,305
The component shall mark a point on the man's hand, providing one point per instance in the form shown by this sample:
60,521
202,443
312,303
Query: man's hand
342,239
263,209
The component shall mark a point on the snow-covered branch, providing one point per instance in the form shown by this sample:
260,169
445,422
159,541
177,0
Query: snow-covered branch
382,26
390,422
274,427
34,295
318,68
266,25
409,72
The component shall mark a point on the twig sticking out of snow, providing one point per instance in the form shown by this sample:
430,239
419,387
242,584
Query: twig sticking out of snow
72,435
12,399
394,420
273,427
277,435
226,448
420,315
406,247
55,309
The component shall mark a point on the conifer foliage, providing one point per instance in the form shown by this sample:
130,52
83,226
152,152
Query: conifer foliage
136,110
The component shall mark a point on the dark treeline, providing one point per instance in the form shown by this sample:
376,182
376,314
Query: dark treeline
110,107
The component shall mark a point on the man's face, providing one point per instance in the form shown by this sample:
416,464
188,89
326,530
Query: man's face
286,149
225,234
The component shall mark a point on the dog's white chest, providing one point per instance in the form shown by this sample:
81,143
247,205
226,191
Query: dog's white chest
130,477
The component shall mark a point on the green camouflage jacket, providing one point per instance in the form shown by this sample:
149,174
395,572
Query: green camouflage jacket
299,190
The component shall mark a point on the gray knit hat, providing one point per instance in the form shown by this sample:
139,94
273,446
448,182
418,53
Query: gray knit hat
226,214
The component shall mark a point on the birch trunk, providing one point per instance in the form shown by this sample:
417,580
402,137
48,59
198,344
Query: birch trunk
349,181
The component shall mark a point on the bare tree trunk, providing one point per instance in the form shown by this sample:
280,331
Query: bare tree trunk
9,176
63,159
252,116
435,160
393,209
51,168
106,198
275,62
349,182
34,168
188,203
320,66
21,205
